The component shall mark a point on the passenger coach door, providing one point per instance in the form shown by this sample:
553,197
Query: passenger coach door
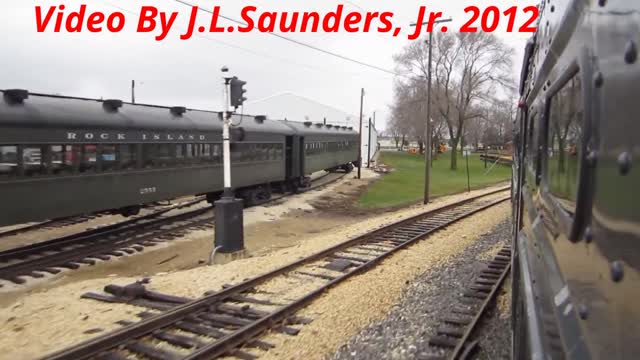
288,156
301,154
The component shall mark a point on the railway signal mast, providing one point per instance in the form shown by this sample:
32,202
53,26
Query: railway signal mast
229,234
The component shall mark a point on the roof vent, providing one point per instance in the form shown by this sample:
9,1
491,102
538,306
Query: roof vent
112,105
307,123
178,110
260,118
16,96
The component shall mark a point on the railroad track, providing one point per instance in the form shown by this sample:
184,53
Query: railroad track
229,322
453,338
74,220
111,241
51,224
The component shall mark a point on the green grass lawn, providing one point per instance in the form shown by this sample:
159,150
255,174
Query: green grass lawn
406,183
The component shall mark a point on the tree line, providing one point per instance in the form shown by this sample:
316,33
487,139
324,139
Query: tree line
473,93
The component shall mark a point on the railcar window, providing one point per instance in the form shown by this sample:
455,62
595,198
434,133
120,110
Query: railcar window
188,151
8,161
206,152
532,141
564,140
32,161
236,152
217,153
249,153
109,157
257,154
180,153
268,148
88,158
163,156
128,156
61,159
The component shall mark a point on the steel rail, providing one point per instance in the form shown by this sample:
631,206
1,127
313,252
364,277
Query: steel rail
224,345
460,350
124,231
86,235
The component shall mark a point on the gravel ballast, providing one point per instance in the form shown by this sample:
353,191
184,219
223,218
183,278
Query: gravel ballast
405,332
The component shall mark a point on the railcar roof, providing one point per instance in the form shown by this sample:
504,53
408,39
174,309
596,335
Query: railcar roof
39,110
305,129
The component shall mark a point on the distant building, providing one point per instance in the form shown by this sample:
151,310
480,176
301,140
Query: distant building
299,108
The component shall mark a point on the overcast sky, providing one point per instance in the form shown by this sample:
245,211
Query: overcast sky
175,72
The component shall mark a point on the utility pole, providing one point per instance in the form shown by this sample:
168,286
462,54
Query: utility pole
468,181
360,133
369,145
133,91
229,234
427,135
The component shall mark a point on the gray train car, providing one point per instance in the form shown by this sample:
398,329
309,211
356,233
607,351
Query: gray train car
576,269
67,156
327,147
63,156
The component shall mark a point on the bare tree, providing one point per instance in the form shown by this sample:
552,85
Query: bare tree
467,71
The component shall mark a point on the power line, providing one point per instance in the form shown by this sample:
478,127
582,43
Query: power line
295,41
251,51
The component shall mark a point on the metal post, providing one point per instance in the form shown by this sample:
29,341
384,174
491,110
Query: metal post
468,182
133,91
360,133
226,148
369,145
485,156
427,130
229,234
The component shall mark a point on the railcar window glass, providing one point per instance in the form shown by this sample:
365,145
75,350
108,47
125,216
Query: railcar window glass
564,140
179,151
206,152
532,138
32,160
236,152
249,152
163,156
148,155
270,151
258,153
109,157
88,158
265,151
198,151
217,153
128,156
278,152
61,159
8,161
